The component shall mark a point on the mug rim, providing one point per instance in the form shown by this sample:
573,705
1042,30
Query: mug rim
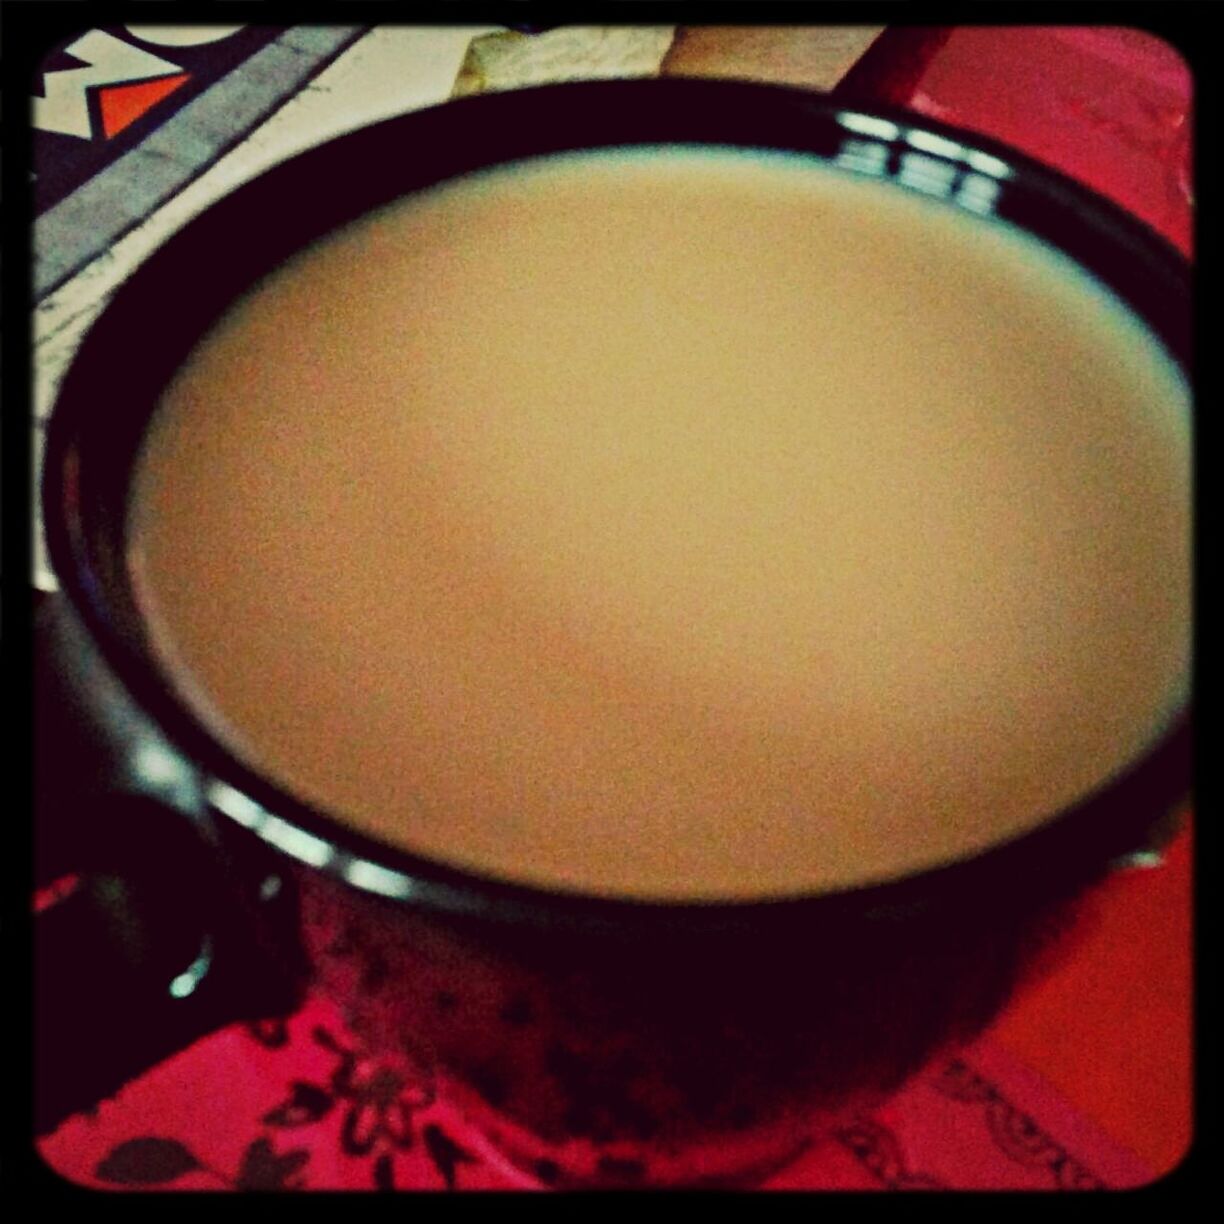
85,534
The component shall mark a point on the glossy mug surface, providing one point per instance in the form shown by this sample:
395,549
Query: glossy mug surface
636,562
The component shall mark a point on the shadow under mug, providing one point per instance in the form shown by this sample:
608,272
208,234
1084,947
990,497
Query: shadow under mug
596,1042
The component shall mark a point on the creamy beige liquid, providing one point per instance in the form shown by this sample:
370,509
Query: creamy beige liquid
676,524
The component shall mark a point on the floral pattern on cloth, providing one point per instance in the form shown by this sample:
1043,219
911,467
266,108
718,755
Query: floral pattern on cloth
296,1105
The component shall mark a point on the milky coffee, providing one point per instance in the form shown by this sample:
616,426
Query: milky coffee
675,524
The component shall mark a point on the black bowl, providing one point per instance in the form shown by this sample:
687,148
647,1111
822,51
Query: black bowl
888,972
172,300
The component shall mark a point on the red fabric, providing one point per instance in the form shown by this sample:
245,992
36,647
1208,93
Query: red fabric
1084,1082
1111,1028
1108,106
297,1106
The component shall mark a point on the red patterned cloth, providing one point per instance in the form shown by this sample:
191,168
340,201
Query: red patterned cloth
295,1105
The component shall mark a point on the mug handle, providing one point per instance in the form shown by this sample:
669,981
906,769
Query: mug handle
153,926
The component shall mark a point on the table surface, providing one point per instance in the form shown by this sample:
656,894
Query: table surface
1108,1031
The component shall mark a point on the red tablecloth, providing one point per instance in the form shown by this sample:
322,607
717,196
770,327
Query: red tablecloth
1084,1082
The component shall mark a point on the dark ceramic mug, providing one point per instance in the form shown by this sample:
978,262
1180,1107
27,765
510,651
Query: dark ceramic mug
597,1042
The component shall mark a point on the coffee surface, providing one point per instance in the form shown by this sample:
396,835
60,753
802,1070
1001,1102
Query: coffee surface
676,524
